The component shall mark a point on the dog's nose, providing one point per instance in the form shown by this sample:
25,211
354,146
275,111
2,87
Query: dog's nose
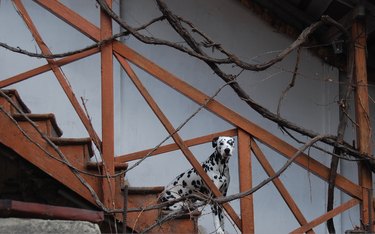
227,151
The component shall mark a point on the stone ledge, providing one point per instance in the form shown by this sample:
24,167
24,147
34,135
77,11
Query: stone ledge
36,226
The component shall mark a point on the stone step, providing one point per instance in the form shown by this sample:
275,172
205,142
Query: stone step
45,122
15,97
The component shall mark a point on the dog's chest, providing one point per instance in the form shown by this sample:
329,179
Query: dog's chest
216,164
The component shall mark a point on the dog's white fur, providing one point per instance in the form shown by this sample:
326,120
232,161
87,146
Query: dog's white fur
189,182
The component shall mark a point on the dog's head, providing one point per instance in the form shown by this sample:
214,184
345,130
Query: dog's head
223,145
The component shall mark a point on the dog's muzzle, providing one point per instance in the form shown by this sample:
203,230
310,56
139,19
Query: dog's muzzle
227,151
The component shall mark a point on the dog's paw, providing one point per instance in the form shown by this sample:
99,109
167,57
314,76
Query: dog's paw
220,231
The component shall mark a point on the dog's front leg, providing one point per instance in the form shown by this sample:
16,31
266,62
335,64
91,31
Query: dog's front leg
217,213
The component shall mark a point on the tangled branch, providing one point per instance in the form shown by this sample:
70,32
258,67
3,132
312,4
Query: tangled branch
196,51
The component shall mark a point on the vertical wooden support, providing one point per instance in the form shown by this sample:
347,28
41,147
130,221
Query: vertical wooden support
363,120
107,109
176,137
245,175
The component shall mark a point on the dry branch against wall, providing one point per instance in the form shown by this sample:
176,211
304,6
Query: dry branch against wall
214,63
196,51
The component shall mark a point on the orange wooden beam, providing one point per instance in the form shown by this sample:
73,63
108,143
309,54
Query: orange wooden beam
107,87
279,185
58,73
321,219
45,68
176,137
234,118
245,176
364,133
71,18
36,210
174,146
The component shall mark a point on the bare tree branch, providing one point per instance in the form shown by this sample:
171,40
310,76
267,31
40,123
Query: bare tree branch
331,140
343,109
276,175
292,82
65,54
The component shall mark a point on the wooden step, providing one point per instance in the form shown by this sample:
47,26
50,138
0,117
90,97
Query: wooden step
45,122
139,197
37,210
119,166
36,150
145,190
15,97
77,150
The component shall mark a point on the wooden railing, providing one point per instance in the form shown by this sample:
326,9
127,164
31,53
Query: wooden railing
249,134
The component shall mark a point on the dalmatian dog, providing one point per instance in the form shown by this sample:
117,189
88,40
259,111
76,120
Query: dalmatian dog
189,182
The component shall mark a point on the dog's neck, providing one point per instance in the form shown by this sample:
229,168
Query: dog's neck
220,158
220,161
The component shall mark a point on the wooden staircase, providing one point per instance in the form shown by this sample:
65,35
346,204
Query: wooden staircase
37,140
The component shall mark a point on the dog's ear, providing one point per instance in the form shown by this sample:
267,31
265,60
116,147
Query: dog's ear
214,142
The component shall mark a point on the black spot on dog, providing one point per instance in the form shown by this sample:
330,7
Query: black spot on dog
171,197
180,191
203,190
168,192
195,184
184,184
180,176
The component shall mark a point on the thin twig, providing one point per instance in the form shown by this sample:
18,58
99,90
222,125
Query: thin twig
276,175
292,82
99,44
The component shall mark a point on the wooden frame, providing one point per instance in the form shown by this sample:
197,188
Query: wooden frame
248,133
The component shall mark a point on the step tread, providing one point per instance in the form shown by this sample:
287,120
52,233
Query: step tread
62,141
145,190
13,92
40,117
187,215
118,165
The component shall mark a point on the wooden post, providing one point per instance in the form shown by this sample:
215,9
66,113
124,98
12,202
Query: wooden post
363,119
107,109
245,175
